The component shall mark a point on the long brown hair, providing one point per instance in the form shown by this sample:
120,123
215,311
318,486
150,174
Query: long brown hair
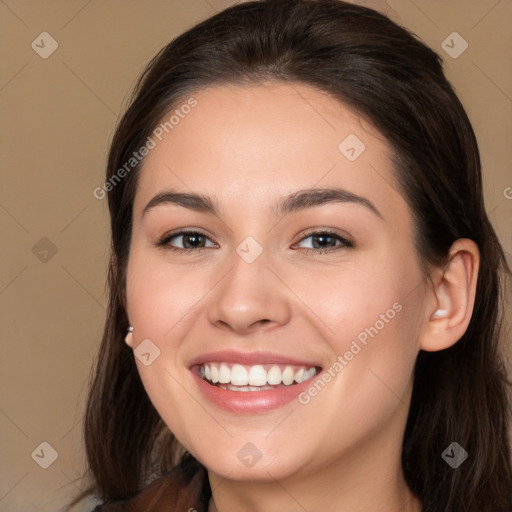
393,80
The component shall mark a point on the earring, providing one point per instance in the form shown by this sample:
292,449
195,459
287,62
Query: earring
129,336
440,313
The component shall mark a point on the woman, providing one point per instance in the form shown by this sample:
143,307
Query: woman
306,292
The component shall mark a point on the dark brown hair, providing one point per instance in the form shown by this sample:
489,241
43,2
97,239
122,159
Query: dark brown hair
389,77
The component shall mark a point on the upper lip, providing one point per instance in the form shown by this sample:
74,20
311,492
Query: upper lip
249,358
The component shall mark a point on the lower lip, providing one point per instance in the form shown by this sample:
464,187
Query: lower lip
251,402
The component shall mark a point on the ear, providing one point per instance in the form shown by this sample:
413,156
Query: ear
452,297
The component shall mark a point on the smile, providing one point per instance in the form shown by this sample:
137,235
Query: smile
245,378
247,389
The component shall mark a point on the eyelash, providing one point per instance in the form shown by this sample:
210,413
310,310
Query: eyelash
345,243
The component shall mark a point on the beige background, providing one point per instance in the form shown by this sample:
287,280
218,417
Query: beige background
59,114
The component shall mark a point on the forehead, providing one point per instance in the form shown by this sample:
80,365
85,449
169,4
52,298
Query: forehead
254,143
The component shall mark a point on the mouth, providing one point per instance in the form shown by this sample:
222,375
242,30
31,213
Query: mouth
254,378
247,383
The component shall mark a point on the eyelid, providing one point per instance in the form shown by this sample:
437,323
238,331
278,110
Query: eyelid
342,235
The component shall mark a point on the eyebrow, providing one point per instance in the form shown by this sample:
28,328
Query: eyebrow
296,201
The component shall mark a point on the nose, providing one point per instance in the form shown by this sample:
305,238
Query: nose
249,297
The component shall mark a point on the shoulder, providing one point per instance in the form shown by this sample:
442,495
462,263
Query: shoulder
185,487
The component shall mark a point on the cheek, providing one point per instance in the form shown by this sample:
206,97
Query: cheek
160,307
159,297
371,319
353,302
377,365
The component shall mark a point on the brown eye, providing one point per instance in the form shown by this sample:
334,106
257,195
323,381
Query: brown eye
190,240
326,241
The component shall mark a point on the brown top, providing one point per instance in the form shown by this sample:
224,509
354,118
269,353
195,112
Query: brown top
185,489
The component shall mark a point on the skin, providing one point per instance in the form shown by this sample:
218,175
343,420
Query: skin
249,146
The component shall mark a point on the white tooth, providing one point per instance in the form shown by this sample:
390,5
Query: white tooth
274,376
311,373
215,373
224,374
239,375
257,375
299,375
288,375
254,388
207,372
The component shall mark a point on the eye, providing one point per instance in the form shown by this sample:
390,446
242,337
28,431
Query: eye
325,241
191,240
322,241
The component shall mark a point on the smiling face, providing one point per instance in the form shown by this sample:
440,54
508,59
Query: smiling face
284,282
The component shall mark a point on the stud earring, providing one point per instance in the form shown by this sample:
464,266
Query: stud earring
440,313
129,336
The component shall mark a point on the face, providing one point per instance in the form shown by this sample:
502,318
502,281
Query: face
320,291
